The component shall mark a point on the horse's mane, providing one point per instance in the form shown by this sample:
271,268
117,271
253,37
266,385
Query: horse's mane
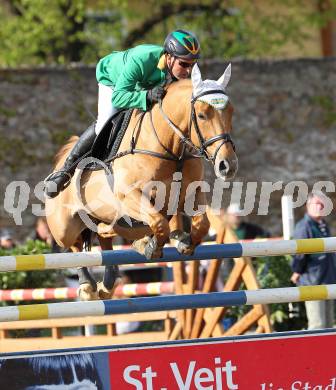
178,94
180,84
64,151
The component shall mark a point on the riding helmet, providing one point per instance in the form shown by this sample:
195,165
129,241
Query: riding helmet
182,44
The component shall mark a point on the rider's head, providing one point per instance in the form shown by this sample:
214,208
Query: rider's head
182,52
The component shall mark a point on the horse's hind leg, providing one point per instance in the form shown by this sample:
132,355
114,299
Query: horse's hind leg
87,285
110,282
112,276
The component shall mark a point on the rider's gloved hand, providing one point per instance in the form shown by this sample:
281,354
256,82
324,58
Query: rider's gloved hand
155,94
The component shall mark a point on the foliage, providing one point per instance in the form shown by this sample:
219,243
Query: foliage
28,279
38,31
62,31
275,272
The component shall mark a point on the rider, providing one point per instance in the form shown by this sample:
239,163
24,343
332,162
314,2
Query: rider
133,78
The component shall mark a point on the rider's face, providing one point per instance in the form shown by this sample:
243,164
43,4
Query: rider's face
180,68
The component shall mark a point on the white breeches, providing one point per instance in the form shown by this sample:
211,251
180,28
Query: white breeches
105,107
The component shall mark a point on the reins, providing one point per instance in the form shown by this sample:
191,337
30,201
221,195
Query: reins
201,151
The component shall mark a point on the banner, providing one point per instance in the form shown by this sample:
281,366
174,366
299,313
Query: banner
274,363
289,361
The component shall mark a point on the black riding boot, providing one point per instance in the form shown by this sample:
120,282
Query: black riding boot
62,177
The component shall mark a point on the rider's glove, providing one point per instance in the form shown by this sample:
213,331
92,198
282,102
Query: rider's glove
155,94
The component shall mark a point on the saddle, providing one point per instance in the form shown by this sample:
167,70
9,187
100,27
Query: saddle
107,142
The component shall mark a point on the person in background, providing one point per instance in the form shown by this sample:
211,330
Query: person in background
318,268
242,229
6,239
42,233
233,219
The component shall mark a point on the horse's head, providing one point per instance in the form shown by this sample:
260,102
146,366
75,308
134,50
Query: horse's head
212,122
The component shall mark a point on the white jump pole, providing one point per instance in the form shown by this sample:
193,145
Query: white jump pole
287,216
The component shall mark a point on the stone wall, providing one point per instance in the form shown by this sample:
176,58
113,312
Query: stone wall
284,124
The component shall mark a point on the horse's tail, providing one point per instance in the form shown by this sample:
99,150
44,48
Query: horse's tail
87,239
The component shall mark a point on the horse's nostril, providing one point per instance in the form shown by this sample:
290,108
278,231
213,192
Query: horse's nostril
223,167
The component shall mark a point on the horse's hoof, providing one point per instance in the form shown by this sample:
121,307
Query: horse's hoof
185,250
85,292
106,230
140,245
104,292
148,247
152,249
182,242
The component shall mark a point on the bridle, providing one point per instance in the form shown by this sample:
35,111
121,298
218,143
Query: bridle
201,151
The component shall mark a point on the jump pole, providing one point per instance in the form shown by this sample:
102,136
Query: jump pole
175,302
287,216
129,290
202,252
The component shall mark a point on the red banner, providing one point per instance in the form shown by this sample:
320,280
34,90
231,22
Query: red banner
296,361
304,362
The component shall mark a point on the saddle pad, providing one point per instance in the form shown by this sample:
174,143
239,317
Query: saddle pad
108,141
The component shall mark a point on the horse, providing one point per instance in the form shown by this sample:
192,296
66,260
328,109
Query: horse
155,176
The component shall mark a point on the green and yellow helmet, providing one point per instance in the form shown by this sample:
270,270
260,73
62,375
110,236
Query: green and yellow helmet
182,44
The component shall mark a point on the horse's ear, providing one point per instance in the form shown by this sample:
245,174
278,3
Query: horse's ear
196,77
223,81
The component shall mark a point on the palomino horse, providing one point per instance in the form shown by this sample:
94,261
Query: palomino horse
157,173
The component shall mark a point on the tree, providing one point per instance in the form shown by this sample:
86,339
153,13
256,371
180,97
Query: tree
62,31
39,31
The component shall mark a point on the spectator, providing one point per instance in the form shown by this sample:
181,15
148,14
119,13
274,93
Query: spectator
242,229
315,269
233,219
42,233
6,240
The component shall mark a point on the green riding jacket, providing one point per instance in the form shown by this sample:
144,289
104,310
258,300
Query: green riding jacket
131,73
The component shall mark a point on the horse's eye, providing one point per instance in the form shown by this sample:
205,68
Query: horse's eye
201,116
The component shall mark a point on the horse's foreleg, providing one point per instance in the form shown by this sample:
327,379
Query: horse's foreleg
139,207
186,243
179,237
199,228
199,223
